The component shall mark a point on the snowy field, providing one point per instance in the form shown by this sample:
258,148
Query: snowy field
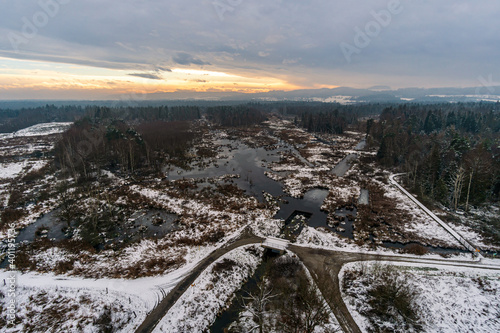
128,296
420,224
465,227
450,299
12,170
49,309
38,129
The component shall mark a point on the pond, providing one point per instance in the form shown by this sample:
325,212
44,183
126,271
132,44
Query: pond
251,164
361,145
150,223
237,158
343,166
48,222
364,197
310,203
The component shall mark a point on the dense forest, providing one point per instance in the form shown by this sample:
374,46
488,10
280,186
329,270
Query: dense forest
144,113
236,116
330,118
331,122
450,152
13,120
127,139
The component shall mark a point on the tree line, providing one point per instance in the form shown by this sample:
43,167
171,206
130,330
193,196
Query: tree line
145,113
450,152
236,116
331,122
13,120
127,140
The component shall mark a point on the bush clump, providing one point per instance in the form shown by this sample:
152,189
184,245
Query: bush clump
385,296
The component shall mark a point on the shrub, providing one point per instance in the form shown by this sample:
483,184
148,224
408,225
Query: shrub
63,267
37,174
224,265
416,249
12,215
286,267
392,301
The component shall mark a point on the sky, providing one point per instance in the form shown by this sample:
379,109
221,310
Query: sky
102,49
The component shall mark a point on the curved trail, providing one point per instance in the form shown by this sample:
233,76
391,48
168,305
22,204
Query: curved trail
325,265
154,317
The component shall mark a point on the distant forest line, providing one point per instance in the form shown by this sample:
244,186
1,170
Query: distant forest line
16,118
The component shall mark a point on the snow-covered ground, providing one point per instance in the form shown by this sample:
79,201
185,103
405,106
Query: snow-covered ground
140,295
421,223
12,170
74,309
327,240
38,129
198,307
469,224
450,299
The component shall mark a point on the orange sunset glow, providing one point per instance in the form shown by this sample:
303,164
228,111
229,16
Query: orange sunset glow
71,81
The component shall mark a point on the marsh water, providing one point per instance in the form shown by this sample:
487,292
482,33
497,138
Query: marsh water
237,158
251,164
48,222
344,165
153,223
232,312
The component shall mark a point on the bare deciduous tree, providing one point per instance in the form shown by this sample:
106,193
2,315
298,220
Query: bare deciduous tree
257,304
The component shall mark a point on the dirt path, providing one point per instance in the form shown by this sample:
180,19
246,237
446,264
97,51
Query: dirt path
325,265
324,268
162,308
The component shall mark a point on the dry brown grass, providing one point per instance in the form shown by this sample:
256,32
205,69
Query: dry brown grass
416,249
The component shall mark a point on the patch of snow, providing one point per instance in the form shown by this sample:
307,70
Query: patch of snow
73,309
38,129
12,170
451,299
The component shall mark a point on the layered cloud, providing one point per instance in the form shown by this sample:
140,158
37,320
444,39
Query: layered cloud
296,43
